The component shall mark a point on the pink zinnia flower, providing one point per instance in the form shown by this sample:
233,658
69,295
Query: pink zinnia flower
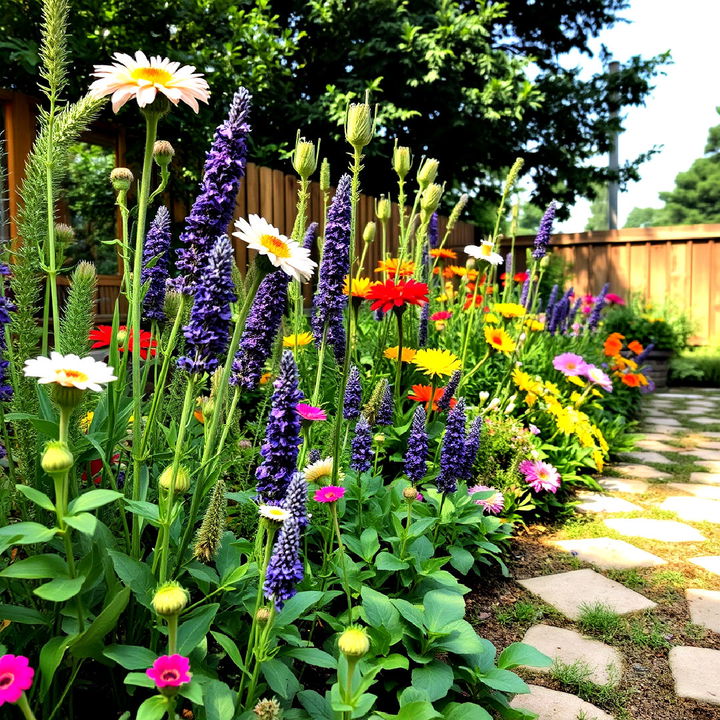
328,494
570,364
613,299
494,504
170,671
587,303
310,412
441,315
16,676
540,475
596,376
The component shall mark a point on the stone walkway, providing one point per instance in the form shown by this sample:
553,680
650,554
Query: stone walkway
659,508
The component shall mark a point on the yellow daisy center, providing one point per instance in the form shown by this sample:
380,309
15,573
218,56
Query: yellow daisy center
486,250
275,245
157,76
68,378
277,512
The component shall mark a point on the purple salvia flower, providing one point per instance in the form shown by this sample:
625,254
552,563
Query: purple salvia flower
157,245
640,359
282,434
361,458
285,569
330,301
386,411
313,456
261,329
524,292
559,315
542,240
594,318
207,335
574,311
417,447
378,315
472,445
508,267
423,325
295,501
433,234
452,451
310,236
214,207
552,299
443,402
353,395
6,391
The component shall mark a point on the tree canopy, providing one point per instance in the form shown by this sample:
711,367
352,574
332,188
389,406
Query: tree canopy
477,83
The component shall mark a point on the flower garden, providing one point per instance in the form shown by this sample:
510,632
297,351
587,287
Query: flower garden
252,507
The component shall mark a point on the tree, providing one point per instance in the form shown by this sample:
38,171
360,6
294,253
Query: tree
645,217
452,79
599,210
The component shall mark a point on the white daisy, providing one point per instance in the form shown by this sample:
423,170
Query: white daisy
484,251
70,371
281,251
273,512
319,470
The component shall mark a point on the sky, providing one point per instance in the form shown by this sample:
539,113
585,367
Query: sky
681,109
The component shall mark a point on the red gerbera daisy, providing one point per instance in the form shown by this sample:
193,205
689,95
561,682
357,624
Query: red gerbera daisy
470,298
421,393
389,295
103,337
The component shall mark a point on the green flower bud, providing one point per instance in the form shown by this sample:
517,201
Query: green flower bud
163,153
359,124
384,209
122,337
354,642
455,214
170,599
64,234
402,161
325,176
304,158
262,615
121,179
410,493
182,479
430,198
369,232
428,172
56,458
172,305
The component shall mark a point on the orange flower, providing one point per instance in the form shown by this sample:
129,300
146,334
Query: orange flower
636,347
469,301
443,253
613,344
421,393
630,379
392,267
408,354
360,286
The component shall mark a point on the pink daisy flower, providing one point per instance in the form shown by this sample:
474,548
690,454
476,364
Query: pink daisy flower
170,671
310,412
534,429
540,475
16,676
441,315
570,364
613,299
329,494
596,376
494,504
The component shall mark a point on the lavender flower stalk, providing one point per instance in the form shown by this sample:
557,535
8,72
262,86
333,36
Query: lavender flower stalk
213,209
433,234
594,318
282,435
452,451
6,391
157,245
361,458
552,299
443,402
472,445
330,301
208,333
386,409
417,447
542,240
423,325
640,359
295,500
524,292
285,569
353,395
261,328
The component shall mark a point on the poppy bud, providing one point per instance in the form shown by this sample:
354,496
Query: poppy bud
428,172
304,159
182,479
121,179
163,153
402,161
359,124
354,642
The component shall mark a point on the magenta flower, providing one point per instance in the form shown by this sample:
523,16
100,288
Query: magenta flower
309,412
540,475
570,364
596,376
329,494
16,676
613,299
170,671
494,504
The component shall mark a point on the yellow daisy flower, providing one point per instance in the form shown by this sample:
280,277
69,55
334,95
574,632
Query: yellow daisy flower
300,339
435,362
499,339
509,310
491,318
408,354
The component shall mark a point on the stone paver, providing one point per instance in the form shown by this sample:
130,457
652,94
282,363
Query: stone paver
704,420
704,608
676,395
705,478
623,485
651,429
660,436
711,563
696,672
662,421
657,445
663,530
693,509
567,647
646,456
709,444
712,466
698,490
555,705
609,553
710,433
703,453
568,592
644,472
595,503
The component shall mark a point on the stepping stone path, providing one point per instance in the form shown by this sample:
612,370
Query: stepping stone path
610,554
594,503
698,490
657,445
555,705
567,647
712,466
647,456
663,530
569,592
704,608
701,453
643,472
711,563
696,672
663,421
705,478
623,485
702,420
693,509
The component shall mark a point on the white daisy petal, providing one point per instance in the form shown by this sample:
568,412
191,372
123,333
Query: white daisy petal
69,371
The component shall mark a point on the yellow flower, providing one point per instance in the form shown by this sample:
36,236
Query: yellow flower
359,286
575,397
436,362
600,438
534,325
86,421
499,339
525,382
265,378
509,310
408,354
354,642
575,380
442,298
300,339
491,318
584,435
551,387
597,457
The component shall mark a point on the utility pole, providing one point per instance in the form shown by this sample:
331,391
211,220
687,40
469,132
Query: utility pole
614,157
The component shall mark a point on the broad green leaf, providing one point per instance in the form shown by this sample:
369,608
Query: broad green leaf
219,701
140,679
83,522
60,589
380,612
136,575
90,644
146,510
22,615
36,566
369,543
297,606
313,656
230,647
280,678
193,630
317,706
154,708
131,657
92,500
461,559
388,561
50,657
504,680
410,613
39,498
435,679
465,711
521,654
462,640
26,533
420,527
442,608
420,710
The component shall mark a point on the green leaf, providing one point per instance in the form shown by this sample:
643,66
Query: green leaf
39,498
379,611
461,559
22,615
230,647
140,679
436,678
462,640
410,613
297,606
369,543
280,678
521,654
193,630
313,656
318,707
37,566
504,680
89,644
131,657
388,561
84,522
60,589
219,701
50,657
26,533
442,608
420,527
465,711
146,510
48,428
154,708
136,575
419,710
92,500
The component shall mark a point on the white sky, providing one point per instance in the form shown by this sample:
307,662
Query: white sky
680,110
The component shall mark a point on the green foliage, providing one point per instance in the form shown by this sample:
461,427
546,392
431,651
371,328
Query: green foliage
697,366
599,619
79,313
599,209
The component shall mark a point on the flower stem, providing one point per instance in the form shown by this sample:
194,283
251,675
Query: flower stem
24,707
341,553
398,367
